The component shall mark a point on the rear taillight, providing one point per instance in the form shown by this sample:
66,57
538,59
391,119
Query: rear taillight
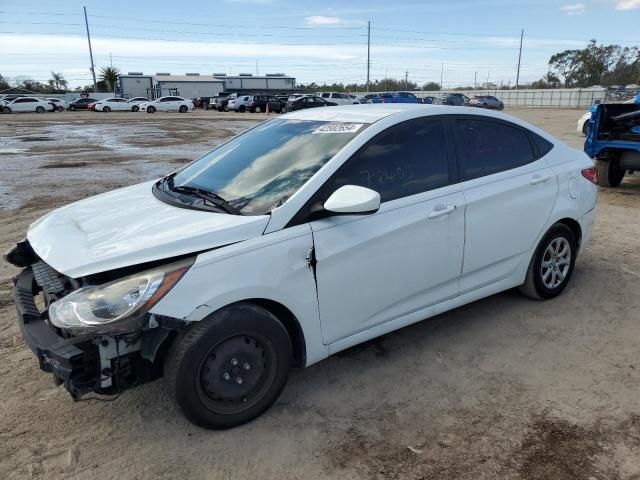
591,174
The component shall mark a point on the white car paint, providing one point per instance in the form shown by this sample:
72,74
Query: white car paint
113,104
239,102
415,257
27,104
166,104
338,97
58,103
582,120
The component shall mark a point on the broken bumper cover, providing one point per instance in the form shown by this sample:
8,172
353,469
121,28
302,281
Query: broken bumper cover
73,361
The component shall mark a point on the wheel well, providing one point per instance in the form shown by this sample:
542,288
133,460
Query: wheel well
292,325
575,228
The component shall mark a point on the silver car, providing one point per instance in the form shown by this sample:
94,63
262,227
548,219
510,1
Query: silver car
486,101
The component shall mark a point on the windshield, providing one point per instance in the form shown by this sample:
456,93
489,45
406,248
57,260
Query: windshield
259,170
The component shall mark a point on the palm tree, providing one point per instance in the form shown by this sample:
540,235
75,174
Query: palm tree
58,80
109,75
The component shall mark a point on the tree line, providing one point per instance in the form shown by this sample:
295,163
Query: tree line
57,83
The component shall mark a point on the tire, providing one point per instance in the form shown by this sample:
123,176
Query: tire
183,109
106,109
72,108
220,109
60,109
283,109
135,108
484,105
151,109
609,173
242,109
586,127
501,106
202,368
6,110
225,108
258,110
548,280
40,110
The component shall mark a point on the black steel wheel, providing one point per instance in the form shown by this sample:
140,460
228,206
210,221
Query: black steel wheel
230,367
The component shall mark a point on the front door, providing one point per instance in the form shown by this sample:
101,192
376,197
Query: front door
375,268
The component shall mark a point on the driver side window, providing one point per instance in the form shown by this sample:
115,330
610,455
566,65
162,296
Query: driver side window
406,159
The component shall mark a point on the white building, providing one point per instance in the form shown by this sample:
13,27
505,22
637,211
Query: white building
194,85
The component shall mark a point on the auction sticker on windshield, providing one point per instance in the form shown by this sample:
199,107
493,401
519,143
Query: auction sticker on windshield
339,128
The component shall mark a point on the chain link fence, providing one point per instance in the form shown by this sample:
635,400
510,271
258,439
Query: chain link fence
548,98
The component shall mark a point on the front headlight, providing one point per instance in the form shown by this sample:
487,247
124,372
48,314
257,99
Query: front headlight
116,306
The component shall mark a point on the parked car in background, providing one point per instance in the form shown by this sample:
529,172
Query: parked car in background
486,101
308,102
367,97
92,106
58,104
583,123
222,101
241,103
395,97
10,97
167,104
260,102
455,99
81,103
112,104
135,102
429,100
27,104
293,241
338,98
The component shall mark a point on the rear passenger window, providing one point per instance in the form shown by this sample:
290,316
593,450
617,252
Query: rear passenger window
404,160
543,146
486,147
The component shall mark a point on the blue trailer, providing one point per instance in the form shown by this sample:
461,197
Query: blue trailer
614,141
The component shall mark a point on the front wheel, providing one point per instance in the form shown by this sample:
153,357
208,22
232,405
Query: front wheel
151,109
610,174
39,109
586,127
241,109
183,109
72,108
229,368
500,106
106,109
552,264
283,109
258,110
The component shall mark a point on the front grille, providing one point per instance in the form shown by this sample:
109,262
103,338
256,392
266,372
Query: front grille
47,278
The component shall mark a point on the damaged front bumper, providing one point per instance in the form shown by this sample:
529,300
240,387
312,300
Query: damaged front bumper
103,364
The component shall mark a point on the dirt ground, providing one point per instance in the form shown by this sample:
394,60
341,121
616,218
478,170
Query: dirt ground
504,388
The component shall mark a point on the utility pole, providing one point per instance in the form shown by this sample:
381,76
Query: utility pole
257,74
441,75
519,59
386,75
475,81
368,51
93,69
487,85
406,80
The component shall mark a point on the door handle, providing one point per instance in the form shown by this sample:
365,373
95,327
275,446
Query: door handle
440,210
537,178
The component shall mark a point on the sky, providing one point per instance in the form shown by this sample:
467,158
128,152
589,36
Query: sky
458,42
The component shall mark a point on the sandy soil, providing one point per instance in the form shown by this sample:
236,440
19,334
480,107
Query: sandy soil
503,388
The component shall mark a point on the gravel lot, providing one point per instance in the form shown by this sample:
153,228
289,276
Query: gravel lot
505,387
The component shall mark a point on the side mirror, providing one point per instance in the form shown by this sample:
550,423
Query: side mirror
351,199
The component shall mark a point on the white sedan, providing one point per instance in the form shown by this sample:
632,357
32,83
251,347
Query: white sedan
304,236
167,104
113,104
583,123
135,103
27,104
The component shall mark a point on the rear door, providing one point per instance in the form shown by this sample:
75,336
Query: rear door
509,193
376,268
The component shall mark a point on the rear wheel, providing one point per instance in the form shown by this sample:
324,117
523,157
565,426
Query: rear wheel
229,368
484,105
258,110
610,174
151,109
135,108
72,107
242,109
6,110
183,109
283,109
500,106
106,109
552,264
40,109
586,127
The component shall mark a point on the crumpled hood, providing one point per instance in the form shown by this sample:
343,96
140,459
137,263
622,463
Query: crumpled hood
130,226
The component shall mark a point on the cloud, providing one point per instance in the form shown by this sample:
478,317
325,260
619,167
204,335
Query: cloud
576,8
323,20
627,4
